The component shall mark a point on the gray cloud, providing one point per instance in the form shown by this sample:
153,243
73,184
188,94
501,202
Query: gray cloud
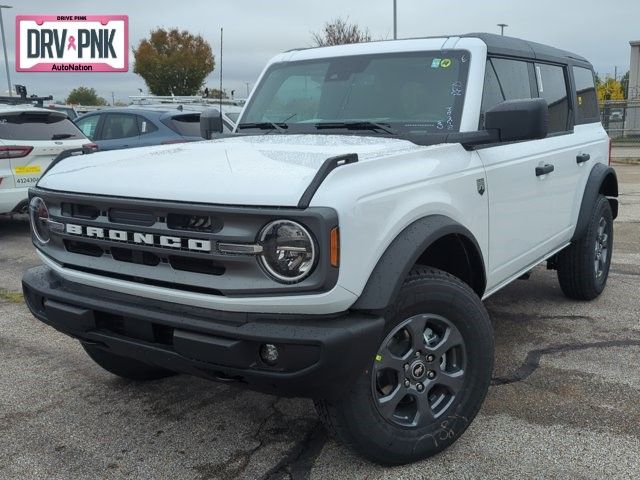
255,30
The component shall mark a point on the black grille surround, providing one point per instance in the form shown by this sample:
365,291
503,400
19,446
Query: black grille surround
183,268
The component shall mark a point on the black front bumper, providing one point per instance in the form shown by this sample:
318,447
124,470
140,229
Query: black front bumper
319,357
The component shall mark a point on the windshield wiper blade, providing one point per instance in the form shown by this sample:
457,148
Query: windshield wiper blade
281,127
61,136
359,125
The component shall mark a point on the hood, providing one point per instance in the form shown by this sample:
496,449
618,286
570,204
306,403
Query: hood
265,170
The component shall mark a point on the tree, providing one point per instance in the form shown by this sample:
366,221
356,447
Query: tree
339,32
610,89
624,83
85,96
173,62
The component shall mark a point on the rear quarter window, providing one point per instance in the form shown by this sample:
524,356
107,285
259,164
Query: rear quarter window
37,126
586,97
187,125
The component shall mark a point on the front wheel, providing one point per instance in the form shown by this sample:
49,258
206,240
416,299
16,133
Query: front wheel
428,379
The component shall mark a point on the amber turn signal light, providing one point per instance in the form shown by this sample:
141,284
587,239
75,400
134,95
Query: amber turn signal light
335,247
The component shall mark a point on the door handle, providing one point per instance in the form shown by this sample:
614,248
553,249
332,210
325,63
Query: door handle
543,170
583,157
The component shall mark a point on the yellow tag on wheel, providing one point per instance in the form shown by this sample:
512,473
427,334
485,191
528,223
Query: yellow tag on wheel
378,358
27,169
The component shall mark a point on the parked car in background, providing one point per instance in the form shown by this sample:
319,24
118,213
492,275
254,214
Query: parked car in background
142,126
616,115
30,138
68,109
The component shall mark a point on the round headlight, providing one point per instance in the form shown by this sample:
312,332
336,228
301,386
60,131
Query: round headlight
289,253
39,215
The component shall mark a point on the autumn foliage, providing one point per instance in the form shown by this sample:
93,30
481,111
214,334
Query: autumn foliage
340,32
173,62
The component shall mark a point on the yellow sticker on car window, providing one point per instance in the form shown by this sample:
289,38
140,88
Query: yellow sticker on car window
27,169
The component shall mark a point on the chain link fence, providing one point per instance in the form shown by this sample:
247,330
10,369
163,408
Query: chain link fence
621,120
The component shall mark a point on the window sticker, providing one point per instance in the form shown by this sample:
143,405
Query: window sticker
445,63
457,88
539,77
436,63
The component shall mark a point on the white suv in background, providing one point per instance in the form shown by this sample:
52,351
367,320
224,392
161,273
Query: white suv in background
30,138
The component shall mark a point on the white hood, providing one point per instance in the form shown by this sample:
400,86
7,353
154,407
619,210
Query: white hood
268,170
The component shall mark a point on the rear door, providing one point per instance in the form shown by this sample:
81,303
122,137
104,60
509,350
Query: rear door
30,140
530,184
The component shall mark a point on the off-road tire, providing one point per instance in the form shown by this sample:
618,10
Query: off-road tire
125,367
577,263
355,417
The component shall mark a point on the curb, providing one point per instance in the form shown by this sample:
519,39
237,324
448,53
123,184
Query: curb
625,160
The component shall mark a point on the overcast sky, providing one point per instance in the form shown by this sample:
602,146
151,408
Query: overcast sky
255,30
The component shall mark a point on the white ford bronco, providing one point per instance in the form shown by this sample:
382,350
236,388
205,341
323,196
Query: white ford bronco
339,243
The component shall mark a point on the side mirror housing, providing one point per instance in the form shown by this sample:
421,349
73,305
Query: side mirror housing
210,122
519,119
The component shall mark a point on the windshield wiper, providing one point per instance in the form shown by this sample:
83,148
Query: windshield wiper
61,136
281,127
268,125
357,125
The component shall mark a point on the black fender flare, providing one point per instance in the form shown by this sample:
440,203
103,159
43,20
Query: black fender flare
602,180
401,255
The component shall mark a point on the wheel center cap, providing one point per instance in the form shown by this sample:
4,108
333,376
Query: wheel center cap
418,370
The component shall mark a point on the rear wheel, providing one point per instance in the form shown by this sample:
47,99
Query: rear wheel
125,367
583,267
428,379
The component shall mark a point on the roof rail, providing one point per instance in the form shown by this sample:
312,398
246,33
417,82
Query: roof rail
182,99
22,98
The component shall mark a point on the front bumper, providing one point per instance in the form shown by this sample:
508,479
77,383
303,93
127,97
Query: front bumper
319,356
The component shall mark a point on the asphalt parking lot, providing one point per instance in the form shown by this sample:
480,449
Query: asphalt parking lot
565,400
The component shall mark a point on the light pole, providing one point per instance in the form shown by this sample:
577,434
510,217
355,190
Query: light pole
4,46
502,27
395,19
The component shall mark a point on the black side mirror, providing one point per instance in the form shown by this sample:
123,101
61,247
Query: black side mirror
210,122
519,119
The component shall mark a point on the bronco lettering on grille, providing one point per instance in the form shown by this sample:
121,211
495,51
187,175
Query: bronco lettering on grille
163,241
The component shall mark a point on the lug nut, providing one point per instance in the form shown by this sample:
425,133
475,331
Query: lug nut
406,367
420,387
431,374
430,358
417,354
407,383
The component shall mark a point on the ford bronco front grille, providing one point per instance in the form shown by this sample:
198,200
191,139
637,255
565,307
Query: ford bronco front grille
175,245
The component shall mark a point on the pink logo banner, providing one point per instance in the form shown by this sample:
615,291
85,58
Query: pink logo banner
72,43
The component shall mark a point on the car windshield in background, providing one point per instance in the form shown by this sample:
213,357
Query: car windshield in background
37,126
233,116
404,93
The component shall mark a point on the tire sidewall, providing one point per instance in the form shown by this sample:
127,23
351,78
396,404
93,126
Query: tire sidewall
456,302
602,210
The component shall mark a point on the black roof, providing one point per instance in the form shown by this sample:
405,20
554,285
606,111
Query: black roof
510,47
516,47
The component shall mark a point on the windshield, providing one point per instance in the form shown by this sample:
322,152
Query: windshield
408,92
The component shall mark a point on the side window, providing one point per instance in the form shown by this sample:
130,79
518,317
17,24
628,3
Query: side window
586,100
492,93
119,125
145,126
88,126
513,76
553,88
